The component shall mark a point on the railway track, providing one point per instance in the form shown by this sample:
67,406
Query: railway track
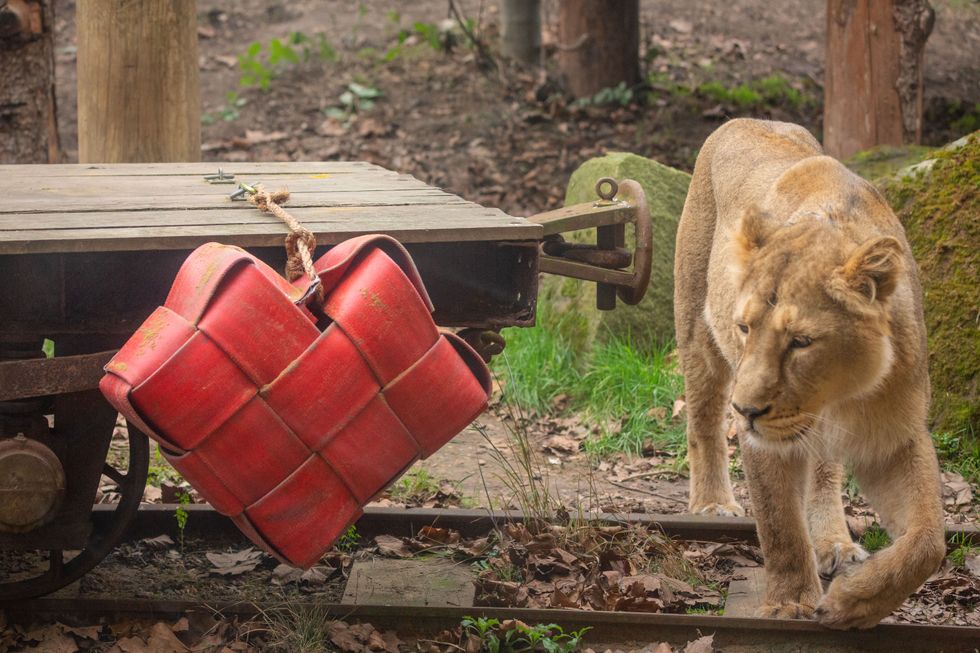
203,521
612,629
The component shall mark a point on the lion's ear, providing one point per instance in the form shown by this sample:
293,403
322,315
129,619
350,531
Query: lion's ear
870,273
753,230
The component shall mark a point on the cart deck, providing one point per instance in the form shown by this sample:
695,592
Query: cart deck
128,207
105,241
87,252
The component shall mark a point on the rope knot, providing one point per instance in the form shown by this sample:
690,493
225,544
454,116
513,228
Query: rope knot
300,241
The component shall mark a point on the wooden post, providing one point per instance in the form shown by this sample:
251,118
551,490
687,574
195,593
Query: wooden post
138,92
599,44
521,37
28,122
873,88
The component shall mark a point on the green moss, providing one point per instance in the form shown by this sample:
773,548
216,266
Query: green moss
886,160
650,324
939,205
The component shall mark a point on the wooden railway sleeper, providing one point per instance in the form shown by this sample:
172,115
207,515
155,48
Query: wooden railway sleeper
604,262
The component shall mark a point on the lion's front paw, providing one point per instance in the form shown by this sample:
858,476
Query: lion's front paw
785,610
834,558
730,509
843,609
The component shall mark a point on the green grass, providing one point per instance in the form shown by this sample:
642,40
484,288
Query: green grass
875,538
704,610
773,90
299,629
962,548
417,485
960,452
632,395
349,540
628,394
512,637
160,471
537,365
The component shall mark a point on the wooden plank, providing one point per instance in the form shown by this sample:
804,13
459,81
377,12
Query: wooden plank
426,583
94,188
28,205
193,169
161,182
745,595
585,216
447,216
265,234
139,207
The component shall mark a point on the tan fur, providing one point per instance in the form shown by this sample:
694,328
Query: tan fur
786,243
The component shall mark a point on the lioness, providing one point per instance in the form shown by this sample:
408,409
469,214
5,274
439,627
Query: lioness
797,301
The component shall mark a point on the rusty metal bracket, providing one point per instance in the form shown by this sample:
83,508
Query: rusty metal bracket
51,376
485,342
619,204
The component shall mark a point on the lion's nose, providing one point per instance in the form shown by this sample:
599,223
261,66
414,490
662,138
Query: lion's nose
751,412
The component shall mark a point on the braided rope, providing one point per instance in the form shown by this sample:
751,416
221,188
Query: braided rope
300,241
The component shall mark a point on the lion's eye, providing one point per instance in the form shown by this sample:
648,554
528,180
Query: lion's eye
799,342
744,328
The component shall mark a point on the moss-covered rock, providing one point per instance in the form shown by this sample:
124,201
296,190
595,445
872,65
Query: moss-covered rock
569,305
886,160
939,205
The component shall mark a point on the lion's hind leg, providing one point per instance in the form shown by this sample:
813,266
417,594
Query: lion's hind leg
835,550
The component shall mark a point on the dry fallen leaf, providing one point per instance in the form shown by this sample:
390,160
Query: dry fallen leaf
390,545
368,127
681,25
561,444
86,632
972,563
658,413
440,535
152,494
51,639
701,645
158,542
235,563
680,408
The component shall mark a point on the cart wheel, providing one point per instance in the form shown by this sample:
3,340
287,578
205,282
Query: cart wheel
104,536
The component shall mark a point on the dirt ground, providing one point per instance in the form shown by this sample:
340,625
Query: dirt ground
616,485
508,138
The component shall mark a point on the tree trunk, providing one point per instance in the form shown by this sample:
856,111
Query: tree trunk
873,89
521,38
599,44
138,93
28,121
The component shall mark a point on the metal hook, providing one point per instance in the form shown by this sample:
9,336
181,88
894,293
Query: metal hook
610,194
221,178
243,189
309,292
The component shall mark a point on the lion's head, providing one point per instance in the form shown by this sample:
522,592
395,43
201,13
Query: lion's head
811,320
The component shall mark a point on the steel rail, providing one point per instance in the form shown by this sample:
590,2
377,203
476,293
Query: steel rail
203,521
623,628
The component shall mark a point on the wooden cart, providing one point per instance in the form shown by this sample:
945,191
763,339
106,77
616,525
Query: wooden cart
87,252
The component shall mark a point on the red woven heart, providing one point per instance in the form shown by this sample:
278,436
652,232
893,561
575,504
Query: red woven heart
286,428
